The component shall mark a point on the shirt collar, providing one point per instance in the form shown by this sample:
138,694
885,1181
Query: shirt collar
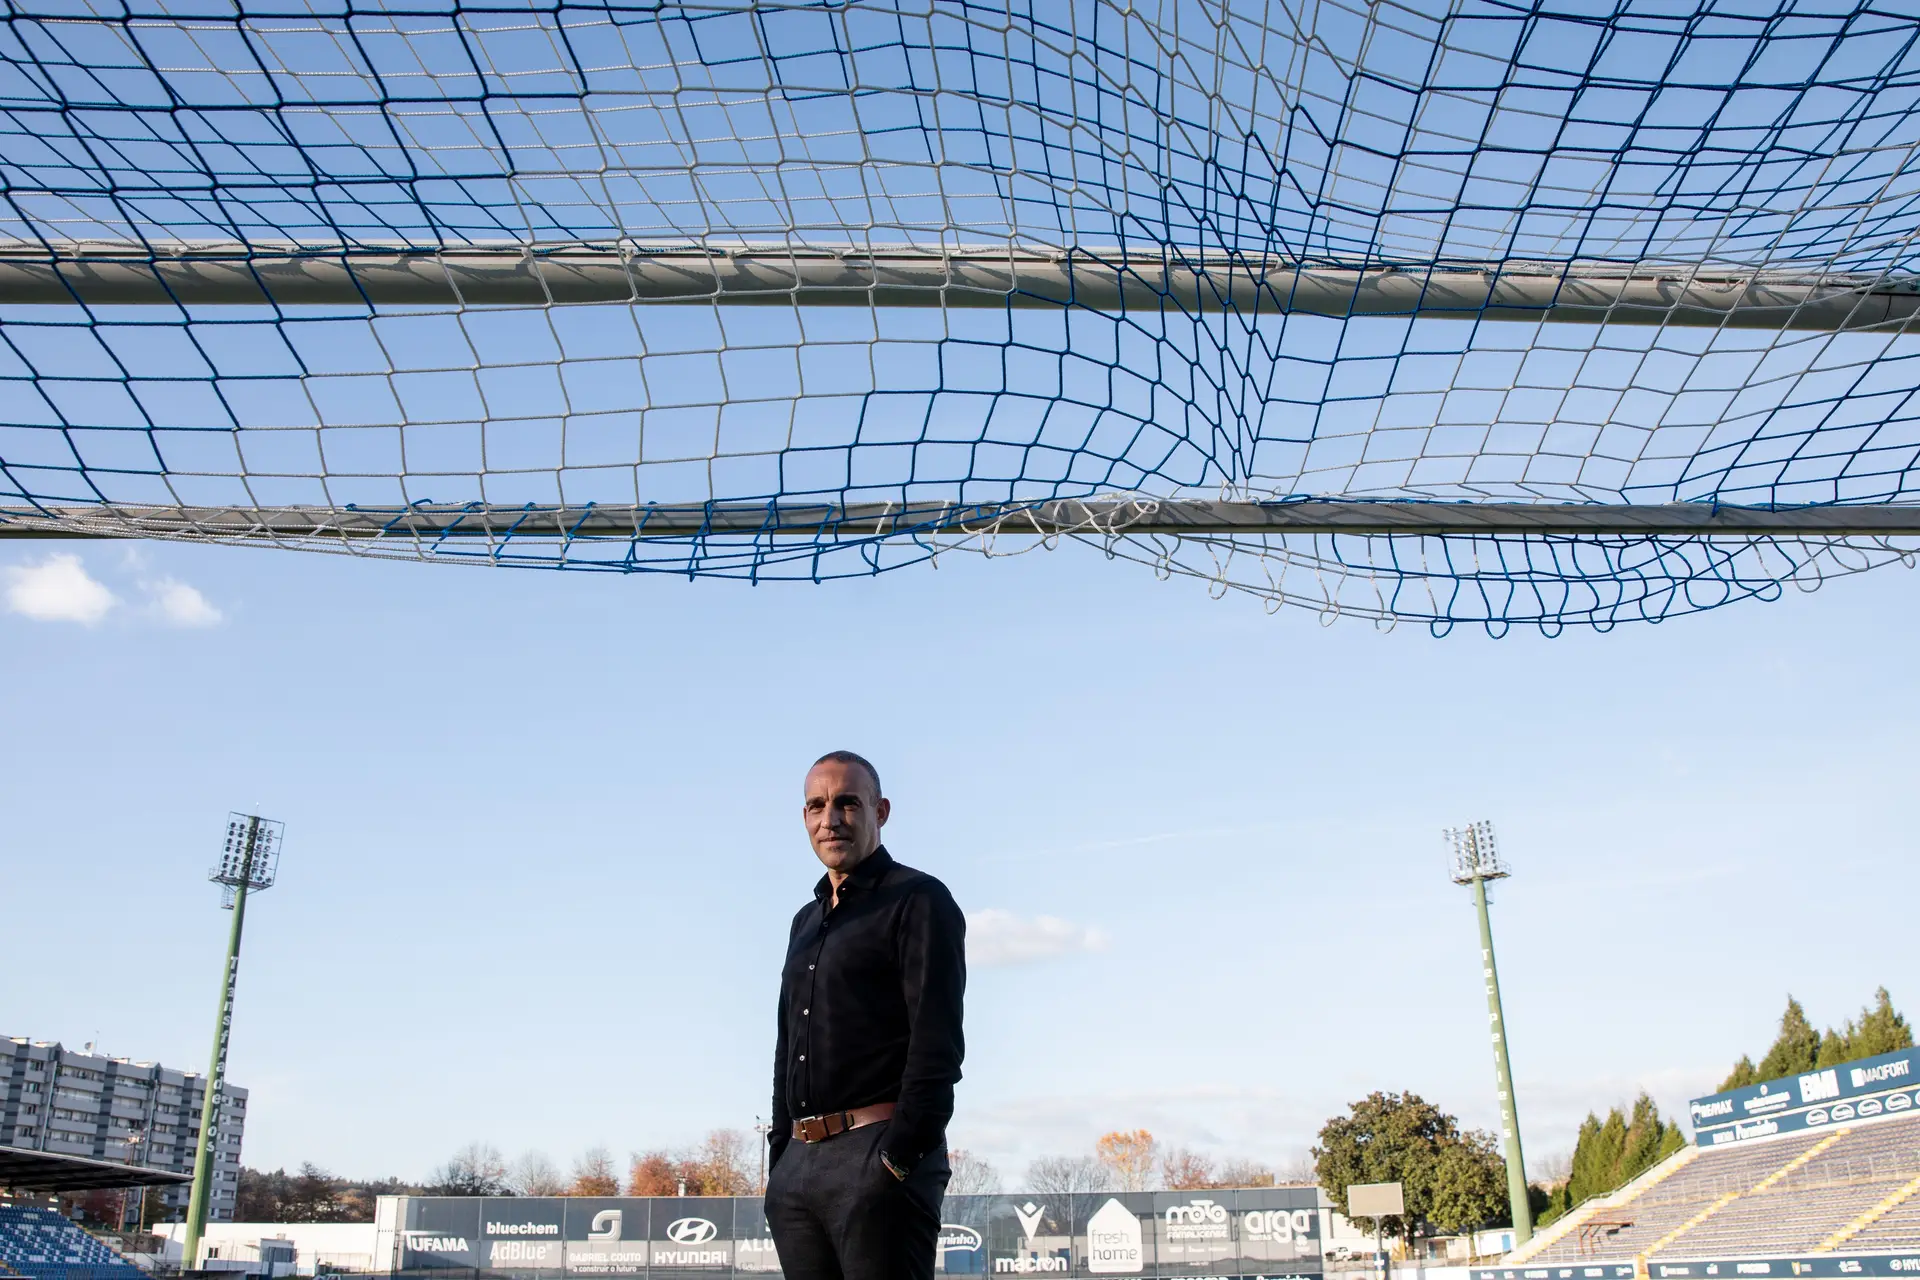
865,876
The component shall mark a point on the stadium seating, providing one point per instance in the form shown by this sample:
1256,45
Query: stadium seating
1773,1198
1668,1205
39,1244
1811,1203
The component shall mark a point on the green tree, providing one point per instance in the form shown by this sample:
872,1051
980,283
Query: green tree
1880,1029
1612,1152
1799,1048
1795,1050
1741,1076
1469,1184
1401,1137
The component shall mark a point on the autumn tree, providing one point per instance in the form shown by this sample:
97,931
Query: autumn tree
653,1173
594,1175
1131,1155
718,1167
1067,1175
1184,1170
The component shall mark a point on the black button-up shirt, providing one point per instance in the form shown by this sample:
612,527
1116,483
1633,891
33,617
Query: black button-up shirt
870,1006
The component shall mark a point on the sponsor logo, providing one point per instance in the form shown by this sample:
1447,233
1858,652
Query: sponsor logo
1708,1110
691,1231
1279,1224
1113,1242
1817,1116
689,1257
1904,1264
1862,1076
1820,1085
1767,1101
1842,1112
537,1251
1753,1268
1850,1267
1899,1102
1029,1215
523,1229
1036,1265
1197,1220
1758,1129
606,1225
953,1239
1867,1107
427,1242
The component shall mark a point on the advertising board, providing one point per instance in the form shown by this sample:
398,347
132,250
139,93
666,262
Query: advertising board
1264,1233
1818,1266
1885,1085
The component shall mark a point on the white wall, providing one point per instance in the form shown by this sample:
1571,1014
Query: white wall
350,1246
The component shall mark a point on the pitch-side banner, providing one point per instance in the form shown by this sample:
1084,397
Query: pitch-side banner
1266,1233
1820,1266
1888,1084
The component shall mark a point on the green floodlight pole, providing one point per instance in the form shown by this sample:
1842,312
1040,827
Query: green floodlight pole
1476,861
247,865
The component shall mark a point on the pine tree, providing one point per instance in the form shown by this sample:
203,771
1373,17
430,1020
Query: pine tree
1882,1029
1611,1152
1795,1050
1742,1075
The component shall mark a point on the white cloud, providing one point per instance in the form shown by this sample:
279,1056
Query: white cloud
56,590
996,937
181,605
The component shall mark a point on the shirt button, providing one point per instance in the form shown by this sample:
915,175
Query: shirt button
805,1012
803,1058
809,968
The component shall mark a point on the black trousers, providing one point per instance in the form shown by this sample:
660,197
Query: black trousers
837,1214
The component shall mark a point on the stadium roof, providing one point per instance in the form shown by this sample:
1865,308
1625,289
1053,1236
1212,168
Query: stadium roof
25,1170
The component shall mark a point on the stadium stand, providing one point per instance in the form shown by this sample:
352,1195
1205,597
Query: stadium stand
39,1244
1857,1187
1894,1226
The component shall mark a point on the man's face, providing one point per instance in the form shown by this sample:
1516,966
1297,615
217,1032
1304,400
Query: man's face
843,814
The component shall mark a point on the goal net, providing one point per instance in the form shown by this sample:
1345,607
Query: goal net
1493,312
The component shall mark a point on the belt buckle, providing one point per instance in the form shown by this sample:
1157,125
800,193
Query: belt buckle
813,1129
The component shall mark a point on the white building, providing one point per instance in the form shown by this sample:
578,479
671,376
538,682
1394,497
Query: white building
79,1103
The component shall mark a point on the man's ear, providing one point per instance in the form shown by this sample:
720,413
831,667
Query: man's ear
884,808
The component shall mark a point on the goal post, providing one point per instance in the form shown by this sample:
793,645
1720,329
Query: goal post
208,274
1117,517
1436,313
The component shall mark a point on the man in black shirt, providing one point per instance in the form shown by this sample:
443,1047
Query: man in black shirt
868,1049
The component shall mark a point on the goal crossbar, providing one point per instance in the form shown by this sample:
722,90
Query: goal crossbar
206,273
1069,516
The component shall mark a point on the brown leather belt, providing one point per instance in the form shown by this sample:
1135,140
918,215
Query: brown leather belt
820,1128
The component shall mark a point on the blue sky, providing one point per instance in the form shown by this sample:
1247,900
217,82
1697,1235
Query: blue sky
543,840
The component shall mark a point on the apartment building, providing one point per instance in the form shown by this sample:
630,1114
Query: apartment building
80,1103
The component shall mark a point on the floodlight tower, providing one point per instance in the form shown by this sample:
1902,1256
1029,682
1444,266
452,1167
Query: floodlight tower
246,865
1476,861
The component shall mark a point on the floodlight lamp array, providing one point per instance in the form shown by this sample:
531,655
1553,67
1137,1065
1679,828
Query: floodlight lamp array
250,856
1475,854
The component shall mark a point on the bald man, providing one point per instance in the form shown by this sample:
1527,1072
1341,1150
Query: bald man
868,1049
